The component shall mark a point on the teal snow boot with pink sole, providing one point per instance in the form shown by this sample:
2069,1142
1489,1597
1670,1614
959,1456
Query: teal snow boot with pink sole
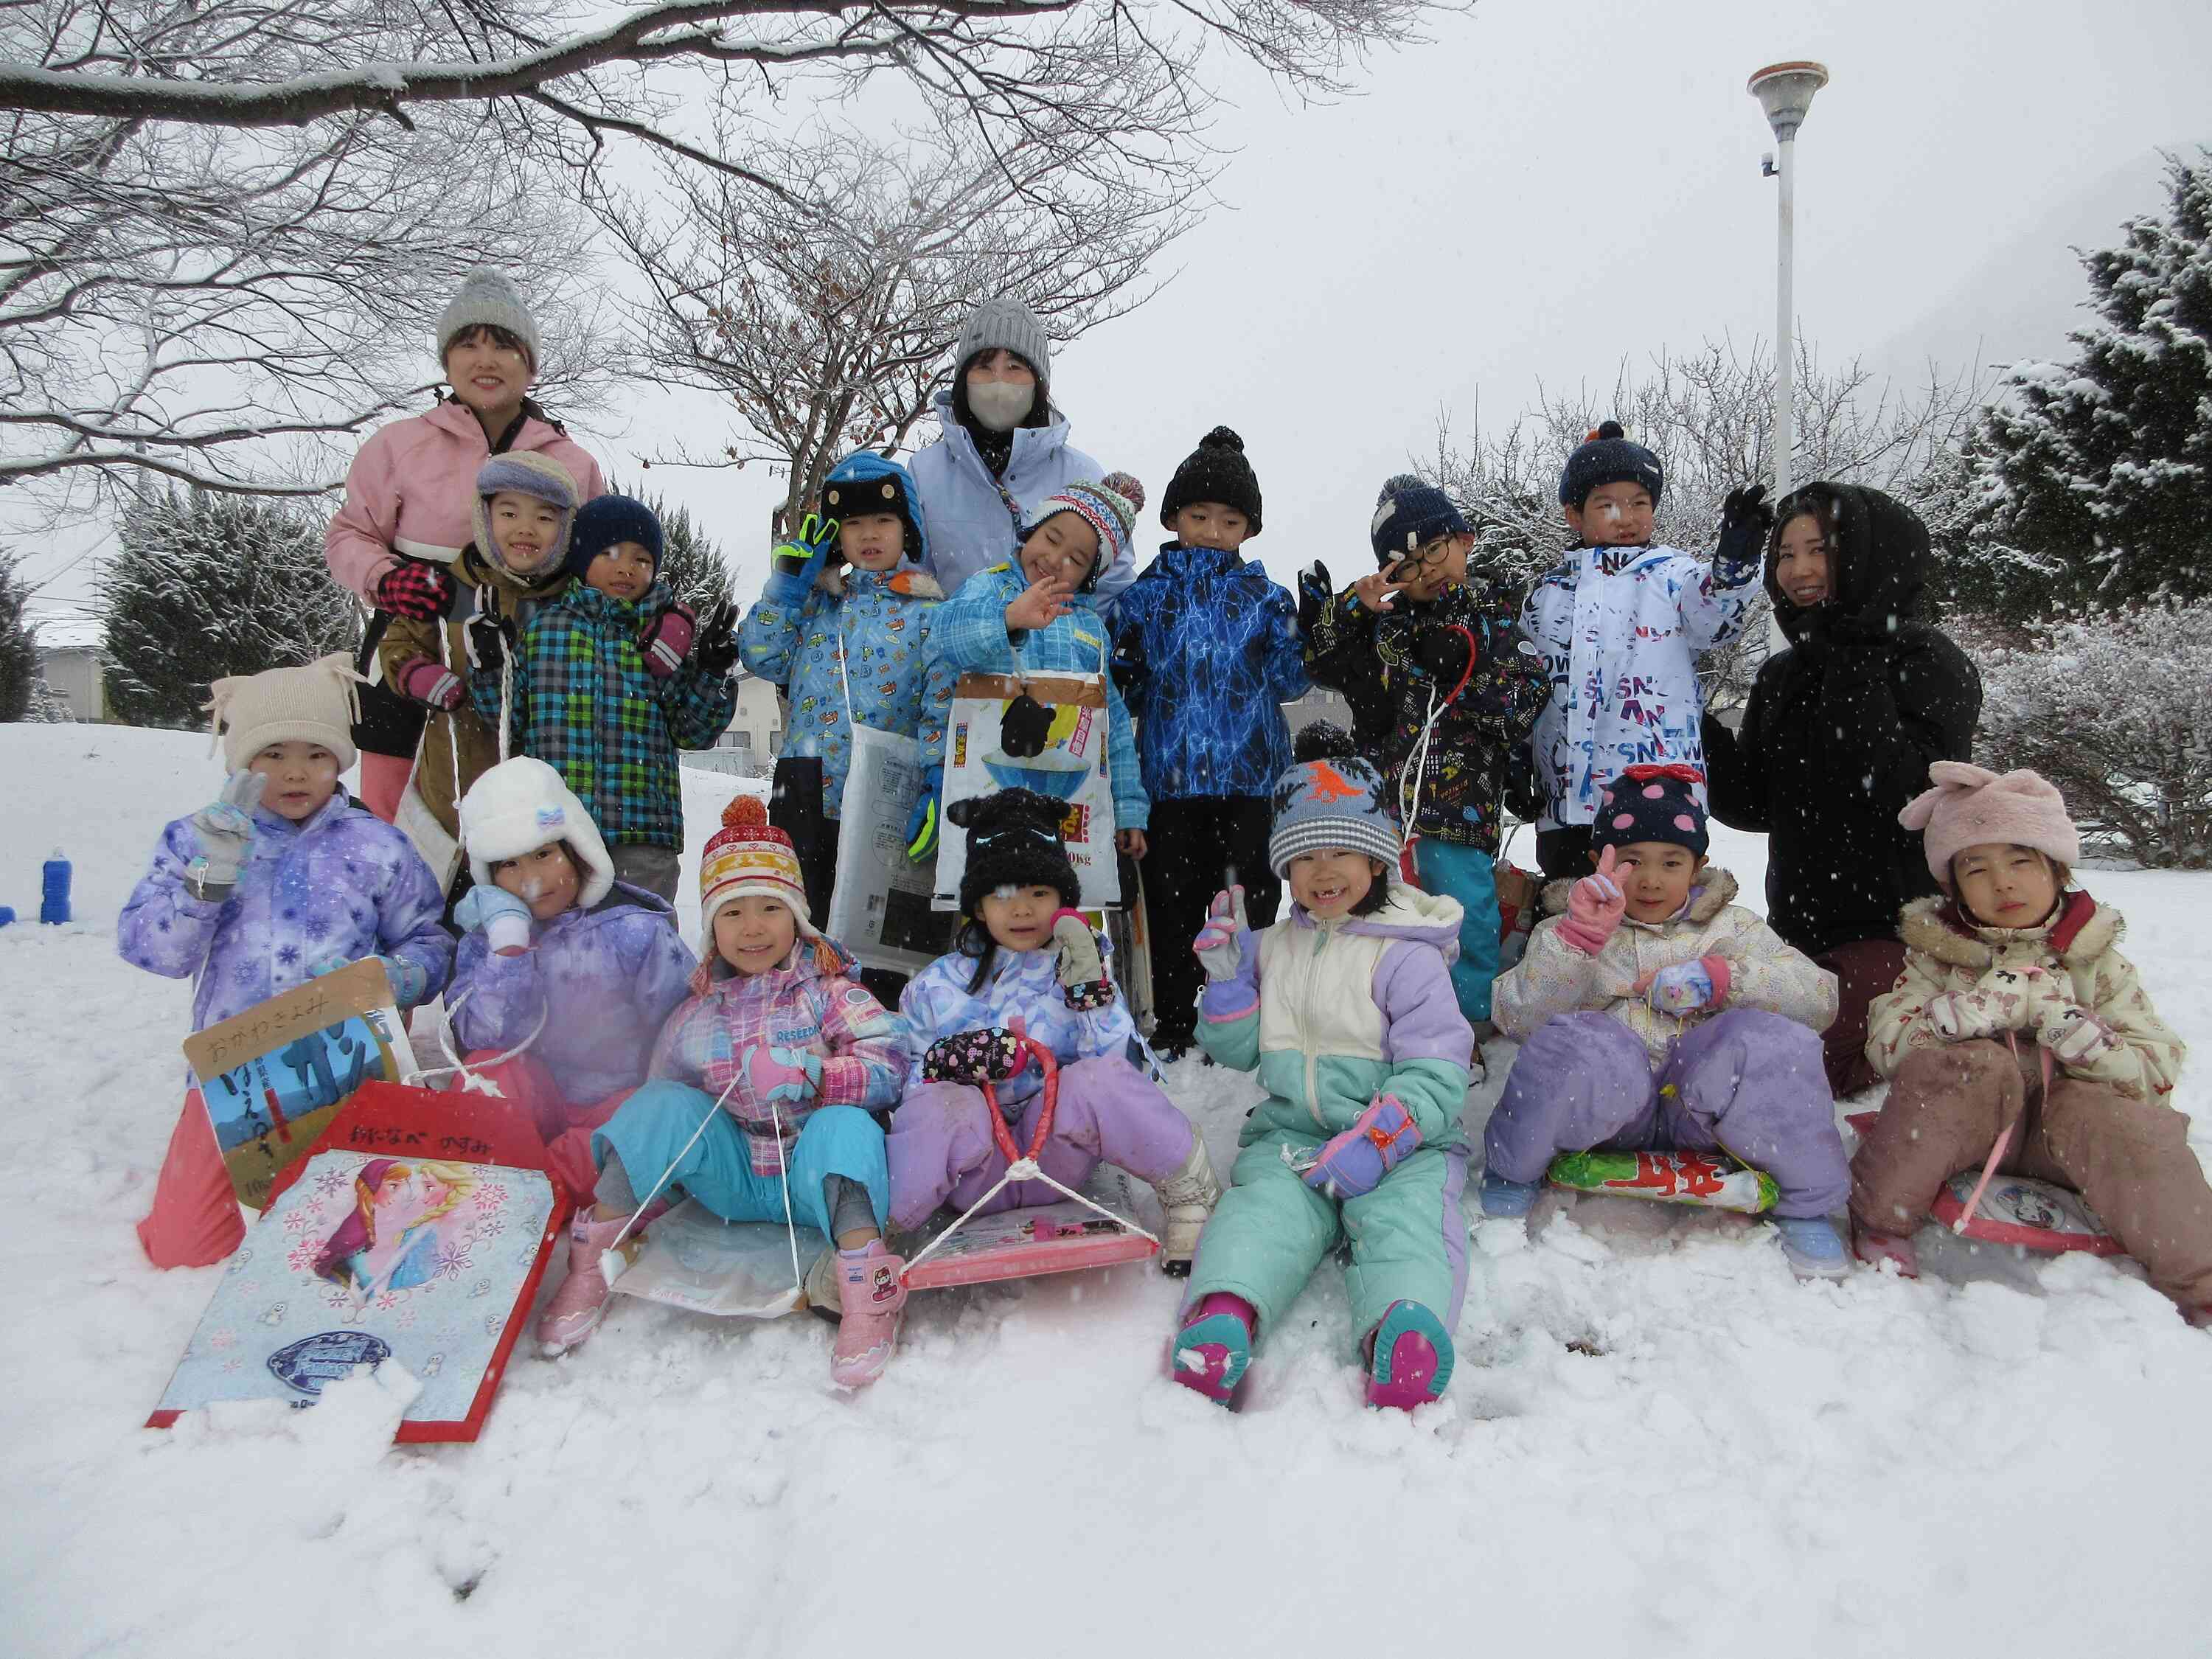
1210,1353
1409,1358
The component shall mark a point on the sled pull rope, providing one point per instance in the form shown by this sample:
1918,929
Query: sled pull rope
1409,803
470,1083
611,1259
2004,1140
790,1227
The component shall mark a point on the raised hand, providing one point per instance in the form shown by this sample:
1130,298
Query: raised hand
666,640
1314,591
715,650
421,592
1379,592
1746,522
1594,907
224,829
504,918
1042,603
1224,944
800,556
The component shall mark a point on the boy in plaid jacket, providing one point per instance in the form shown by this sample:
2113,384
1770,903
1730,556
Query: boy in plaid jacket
610,679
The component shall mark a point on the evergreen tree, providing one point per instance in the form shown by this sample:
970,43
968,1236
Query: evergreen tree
19,654
691,564
206,585
2097,474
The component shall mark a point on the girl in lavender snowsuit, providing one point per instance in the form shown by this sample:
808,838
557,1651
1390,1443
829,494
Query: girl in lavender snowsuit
1026,962
1658,1013
280,878
556,945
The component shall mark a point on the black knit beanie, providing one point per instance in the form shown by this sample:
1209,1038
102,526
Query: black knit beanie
1014,841
1215,472
1607,456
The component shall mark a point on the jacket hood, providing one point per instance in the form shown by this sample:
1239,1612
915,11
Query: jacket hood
902,582
1408,914
2082,931
864,466
1877,569
1714,891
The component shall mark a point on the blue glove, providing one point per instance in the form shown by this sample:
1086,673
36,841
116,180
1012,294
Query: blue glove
921,822
795,562
410,981
504,919
1684,988
224,831
1354,1162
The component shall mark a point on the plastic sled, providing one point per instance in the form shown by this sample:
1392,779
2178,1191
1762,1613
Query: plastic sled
1075,1233
1712,1181
694,1260
2035,1215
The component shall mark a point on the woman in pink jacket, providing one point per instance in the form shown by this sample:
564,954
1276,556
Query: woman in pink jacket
410,491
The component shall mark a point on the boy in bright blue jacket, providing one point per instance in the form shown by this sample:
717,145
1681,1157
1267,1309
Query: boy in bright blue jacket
1207,651
843,625
1034,616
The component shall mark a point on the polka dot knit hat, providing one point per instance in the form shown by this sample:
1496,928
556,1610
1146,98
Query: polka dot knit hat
1652,803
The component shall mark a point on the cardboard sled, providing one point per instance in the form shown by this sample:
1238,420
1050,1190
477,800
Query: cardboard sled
416,1229
2035,1215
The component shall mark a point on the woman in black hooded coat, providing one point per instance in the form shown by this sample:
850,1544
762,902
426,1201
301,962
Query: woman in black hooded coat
1838,736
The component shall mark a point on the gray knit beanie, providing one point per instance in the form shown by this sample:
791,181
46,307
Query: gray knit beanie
488,298
1006,325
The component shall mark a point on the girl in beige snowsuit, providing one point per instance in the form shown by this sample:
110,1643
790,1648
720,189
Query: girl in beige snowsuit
2017,1020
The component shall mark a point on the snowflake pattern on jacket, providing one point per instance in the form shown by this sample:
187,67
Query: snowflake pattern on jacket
1620,629
1206,652
968,634
1462,774
810,1002
882,620
342,883
585,706
1022,994
602,982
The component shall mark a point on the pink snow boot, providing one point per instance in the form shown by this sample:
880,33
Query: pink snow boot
872,1292
1874,1249
575,1311
1210,1351
1409,1358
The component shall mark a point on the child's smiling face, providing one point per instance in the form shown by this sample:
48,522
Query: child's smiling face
1332,880
1063,548
1614,515
302,777
1210,524
524,529
1019,918
1429,569
873,541
755,933
623,571
1656,878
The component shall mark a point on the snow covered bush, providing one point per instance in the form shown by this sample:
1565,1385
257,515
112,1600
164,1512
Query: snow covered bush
2112,709
204,585
19,653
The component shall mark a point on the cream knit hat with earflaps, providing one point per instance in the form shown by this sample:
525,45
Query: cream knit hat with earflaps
517,807
313,702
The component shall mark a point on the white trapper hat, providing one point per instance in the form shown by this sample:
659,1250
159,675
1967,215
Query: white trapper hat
518,806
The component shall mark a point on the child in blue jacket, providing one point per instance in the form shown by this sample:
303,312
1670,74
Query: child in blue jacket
1207,651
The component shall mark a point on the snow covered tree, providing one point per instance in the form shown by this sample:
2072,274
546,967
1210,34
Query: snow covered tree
203,585
19,652
691,564
2109,707
2097,474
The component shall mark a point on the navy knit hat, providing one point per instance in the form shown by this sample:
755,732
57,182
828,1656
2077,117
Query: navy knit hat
1215,472
1608,457
1652,803
605,519
1409,515
1330,798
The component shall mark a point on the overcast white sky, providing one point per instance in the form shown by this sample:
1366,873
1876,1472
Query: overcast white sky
1548,187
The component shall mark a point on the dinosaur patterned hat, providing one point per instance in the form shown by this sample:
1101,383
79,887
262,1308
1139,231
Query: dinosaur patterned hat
1330,798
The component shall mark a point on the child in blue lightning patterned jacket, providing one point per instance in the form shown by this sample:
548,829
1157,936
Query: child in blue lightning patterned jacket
1206,652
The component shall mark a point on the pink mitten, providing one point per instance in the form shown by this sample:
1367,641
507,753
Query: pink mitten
430,683
1594,908
666,640
785,1076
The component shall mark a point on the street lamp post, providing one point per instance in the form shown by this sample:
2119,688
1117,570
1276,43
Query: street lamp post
1783,91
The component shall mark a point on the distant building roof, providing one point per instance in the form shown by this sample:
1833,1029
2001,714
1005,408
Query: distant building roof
66,633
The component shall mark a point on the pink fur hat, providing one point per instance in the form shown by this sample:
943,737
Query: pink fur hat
1971,804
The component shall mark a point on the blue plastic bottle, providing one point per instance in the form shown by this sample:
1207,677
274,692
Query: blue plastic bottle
54,890
7,915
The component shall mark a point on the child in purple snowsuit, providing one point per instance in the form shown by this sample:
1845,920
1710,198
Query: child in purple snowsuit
282,879
1026,962
1657,1014
577,969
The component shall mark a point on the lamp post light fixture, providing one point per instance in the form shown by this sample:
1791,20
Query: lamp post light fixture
1785,91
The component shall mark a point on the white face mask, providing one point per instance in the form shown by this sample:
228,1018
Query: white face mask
1000,405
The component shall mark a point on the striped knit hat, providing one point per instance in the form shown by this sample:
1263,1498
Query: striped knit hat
527,473
748,858
1109,507
1330,798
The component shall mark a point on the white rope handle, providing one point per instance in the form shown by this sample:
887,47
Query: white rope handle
1416,769
790,1227
666,1175
470,1083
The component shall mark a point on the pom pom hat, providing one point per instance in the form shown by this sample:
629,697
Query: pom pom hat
1109,507
1330,798
747,858
605,520
488,298
517,807
1969,806
1215,472
314,702
1652,803
1409,514
1607,457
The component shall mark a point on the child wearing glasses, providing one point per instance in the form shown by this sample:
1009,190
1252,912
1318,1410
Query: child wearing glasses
1462,688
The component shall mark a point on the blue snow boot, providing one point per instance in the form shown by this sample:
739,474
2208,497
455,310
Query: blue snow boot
1505,1201
1811,1247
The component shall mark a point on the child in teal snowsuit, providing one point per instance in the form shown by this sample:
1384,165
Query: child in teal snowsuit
1347,1012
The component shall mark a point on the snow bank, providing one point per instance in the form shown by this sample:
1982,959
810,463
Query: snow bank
1657,1441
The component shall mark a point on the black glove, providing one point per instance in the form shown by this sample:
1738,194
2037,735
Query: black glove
1314,591
487,641
1444,654
1746,522
715,649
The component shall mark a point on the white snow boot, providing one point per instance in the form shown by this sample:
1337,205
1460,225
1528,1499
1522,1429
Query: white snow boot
1188,1197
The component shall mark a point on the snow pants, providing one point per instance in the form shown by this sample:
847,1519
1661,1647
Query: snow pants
1864,969
649,1131
1745,1082
195,1219
940,1147
1465,874
1198,847
1409,1236
2130,1158
565,1129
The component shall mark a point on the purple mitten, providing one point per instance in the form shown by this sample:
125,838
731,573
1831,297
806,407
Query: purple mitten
787,1077
667,640
974,1058
1354,1162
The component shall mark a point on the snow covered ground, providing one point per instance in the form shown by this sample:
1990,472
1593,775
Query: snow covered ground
1656,1442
